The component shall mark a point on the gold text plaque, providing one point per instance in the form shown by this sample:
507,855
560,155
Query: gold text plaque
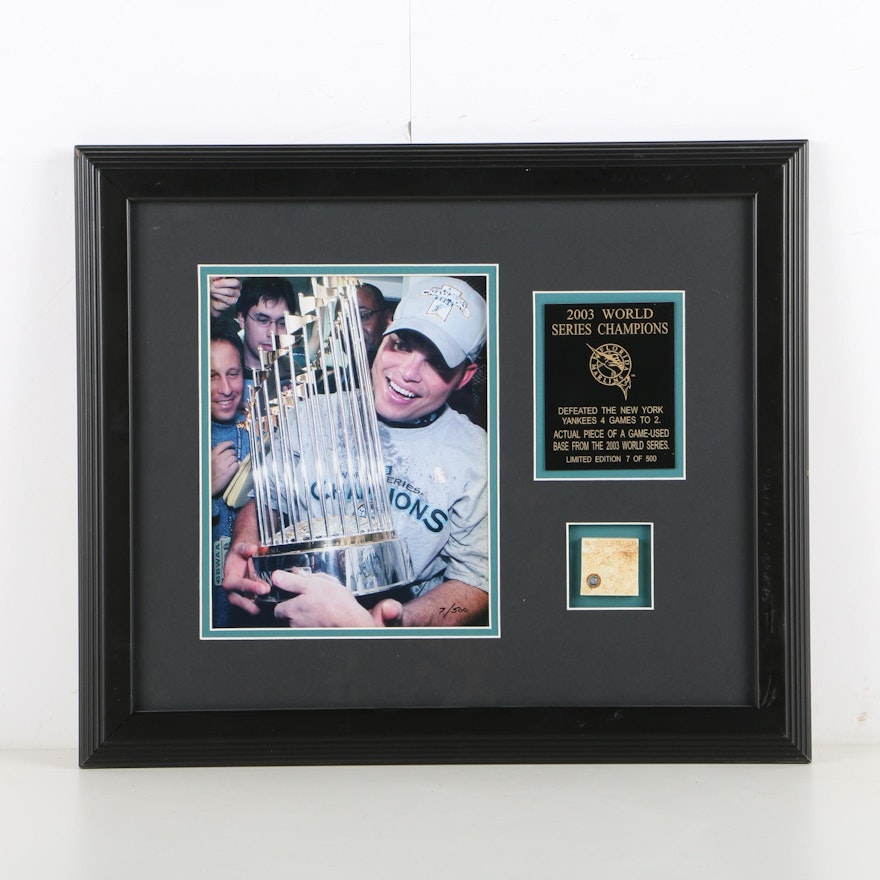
609,385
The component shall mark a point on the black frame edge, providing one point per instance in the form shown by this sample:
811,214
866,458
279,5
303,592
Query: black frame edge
106,698
797,520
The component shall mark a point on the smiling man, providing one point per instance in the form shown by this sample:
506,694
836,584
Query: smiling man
436,472
229,445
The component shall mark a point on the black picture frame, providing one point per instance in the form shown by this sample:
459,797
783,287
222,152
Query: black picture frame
771,726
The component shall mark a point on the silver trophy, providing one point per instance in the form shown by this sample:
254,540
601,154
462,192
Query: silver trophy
318,471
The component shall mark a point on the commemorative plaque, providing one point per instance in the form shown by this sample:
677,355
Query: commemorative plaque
609,385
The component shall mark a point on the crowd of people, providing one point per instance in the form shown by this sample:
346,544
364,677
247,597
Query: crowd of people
423,356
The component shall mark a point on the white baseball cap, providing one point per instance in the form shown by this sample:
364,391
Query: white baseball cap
448,311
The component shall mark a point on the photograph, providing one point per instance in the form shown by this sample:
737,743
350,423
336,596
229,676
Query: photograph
346,470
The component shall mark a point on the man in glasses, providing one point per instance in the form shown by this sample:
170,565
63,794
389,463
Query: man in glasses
260,303
374,316
260,313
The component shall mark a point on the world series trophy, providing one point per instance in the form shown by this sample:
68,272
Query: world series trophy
318,471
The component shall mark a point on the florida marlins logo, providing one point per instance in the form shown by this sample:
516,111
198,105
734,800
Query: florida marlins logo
611,364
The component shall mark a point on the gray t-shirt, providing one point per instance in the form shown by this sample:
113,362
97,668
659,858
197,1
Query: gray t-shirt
438,488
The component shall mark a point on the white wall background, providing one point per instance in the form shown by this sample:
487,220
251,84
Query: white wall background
267,71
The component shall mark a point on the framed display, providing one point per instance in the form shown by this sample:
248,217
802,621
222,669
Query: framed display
442,454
